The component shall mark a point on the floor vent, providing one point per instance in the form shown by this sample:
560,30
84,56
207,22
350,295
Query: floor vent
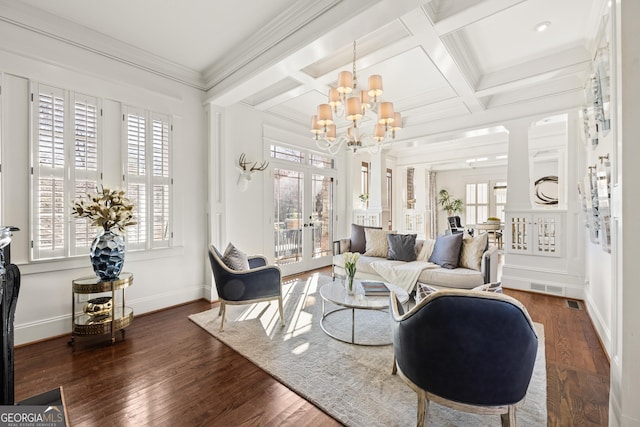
573,304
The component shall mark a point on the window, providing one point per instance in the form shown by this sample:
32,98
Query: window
284,153
390,197
148,177
477,203
500,193
364,178
66,137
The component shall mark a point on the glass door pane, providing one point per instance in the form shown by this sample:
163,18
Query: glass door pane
288,215
321,214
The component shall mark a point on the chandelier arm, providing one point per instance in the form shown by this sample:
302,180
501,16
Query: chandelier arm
355,79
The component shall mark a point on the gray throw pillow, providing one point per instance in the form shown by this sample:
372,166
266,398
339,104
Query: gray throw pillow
235,259
446,251
358,241
402,247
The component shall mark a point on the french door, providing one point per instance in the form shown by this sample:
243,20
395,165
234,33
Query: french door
303,217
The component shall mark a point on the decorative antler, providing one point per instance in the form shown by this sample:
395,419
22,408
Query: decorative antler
262,166
245,172
242,161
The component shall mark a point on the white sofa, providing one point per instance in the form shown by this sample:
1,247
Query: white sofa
439,277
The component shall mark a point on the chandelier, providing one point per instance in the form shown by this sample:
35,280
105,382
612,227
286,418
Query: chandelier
351,105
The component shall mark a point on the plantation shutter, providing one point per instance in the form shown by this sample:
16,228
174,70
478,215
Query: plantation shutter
160,180
85,173
48,171
136,174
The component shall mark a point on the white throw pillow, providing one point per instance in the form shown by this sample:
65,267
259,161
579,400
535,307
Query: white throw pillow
376,242
472,250
427,248
235,259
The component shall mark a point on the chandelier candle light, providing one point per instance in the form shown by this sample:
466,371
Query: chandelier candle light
353,104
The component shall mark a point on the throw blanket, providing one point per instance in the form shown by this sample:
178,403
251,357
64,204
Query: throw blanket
404,275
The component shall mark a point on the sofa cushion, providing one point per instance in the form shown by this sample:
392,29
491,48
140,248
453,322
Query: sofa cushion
472,250
402,247
426,250
235,259
363,265
376,242
358,240
446,251
462,278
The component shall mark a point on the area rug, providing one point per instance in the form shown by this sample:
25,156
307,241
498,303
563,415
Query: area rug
351,383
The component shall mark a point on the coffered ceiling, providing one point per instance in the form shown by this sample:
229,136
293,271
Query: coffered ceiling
456,69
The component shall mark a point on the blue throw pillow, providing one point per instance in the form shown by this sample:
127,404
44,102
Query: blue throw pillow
402,247
446,251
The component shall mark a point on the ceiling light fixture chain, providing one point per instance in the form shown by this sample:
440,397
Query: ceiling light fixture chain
352,105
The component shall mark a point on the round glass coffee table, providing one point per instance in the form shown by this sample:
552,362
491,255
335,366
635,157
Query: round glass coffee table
335,293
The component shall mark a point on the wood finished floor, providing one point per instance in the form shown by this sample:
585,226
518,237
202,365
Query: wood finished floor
170,372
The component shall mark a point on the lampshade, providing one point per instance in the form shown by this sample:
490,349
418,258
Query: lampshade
375,86
385,113
331,133
345,82
379,132
325,117
334,98
365,101
397,121
354,109
315,126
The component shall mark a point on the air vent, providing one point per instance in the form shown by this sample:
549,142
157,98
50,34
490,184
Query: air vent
548,289
573,304
538,287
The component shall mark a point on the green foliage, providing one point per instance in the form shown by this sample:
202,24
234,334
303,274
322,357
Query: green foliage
448,203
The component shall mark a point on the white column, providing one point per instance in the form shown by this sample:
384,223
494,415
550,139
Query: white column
376,177
518,191
625,363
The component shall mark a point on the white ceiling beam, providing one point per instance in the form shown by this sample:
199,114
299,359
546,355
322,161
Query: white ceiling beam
418,23
562,64
473,13
534,109
347,21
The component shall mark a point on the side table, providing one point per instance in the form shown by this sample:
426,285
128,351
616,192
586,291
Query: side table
119,317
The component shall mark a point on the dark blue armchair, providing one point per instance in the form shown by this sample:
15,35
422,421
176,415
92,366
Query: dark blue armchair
260,283
469,350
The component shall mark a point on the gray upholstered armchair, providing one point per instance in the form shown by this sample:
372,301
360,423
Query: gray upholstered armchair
469,350
260,283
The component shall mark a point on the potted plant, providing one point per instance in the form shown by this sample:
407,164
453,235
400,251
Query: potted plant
112,211
448,203
364,198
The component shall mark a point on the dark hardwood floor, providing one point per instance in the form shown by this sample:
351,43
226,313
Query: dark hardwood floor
170,372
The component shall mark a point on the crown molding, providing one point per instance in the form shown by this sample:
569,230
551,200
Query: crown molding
262,41
62,30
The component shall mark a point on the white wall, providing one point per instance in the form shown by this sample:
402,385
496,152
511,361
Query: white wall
161,278
455,182
248,215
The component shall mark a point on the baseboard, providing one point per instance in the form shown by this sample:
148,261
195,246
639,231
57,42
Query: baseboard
544,287
599,324
55,326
